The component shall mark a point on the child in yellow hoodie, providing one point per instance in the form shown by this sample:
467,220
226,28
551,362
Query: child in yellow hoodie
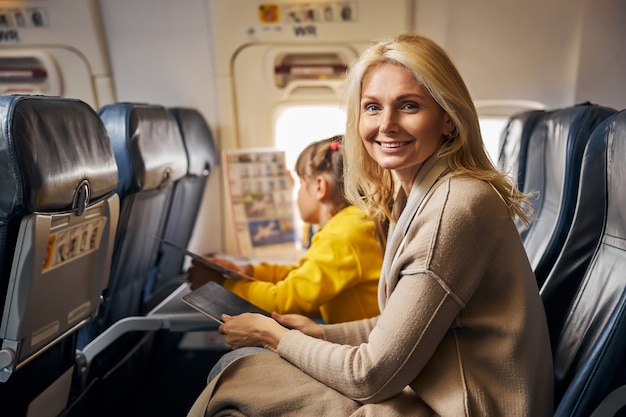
337,278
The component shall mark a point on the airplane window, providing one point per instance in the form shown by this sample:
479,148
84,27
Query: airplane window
491,128
298,125
495,116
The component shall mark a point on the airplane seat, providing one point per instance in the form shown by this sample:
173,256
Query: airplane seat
514,144
187,196
589,348
563,280
553,160
58,217
151,157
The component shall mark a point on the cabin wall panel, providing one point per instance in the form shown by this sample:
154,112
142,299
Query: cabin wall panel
509,50
68,34
602,62
558,52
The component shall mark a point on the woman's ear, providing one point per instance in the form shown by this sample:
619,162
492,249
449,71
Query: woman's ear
448,126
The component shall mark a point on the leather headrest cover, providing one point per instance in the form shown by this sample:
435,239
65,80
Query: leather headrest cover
201,150
50,146
148,146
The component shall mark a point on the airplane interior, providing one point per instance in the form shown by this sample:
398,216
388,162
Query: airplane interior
125,124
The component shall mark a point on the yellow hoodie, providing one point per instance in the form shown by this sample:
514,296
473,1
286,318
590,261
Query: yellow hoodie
337,277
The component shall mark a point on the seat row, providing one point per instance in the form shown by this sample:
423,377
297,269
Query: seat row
573,161
88,199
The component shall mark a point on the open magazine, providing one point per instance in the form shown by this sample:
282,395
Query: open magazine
214,300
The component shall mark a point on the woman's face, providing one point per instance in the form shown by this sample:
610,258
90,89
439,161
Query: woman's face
400,124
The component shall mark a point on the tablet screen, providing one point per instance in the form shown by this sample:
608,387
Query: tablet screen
214,300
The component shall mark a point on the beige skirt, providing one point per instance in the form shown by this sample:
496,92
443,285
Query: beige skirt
264,384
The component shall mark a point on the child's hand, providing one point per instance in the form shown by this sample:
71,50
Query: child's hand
242,269
199,274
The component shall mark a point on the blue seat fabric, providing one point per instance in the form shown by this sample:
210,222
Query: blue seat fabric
553,162
589,347
185,203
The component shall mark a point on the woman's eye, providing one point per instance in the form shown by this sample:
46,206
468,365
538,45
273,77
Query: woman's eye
371,108
410,106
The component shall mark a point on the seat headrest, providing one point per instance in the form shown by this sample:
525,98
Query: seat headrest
553,167
147,144
40,136
201,150
514,141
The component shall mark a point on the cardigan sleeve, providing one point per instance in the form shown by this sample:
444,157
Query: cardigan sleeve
404,338
351,333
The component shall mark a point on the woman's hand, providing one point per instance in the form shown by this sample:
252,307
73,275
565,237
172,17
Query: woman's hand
300,322
251,329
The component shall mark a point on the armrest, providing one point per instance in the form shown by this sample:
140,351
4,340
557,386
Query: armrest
171,314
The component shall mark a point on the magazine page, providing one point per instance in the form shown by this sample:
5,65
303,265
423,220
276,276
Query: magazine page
260,189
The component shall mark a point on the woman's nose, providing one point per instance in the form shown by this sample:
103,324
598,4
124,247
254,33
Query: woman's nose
388,122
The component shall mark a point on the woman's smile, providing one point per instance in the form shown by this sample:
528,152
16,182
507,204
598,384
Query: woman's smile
393,145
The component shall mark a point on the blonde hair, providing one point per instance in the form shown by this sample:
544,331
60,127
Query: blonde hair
371,187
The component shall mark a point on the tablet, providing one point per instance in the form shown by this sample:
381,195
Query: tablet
215,267
214,300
